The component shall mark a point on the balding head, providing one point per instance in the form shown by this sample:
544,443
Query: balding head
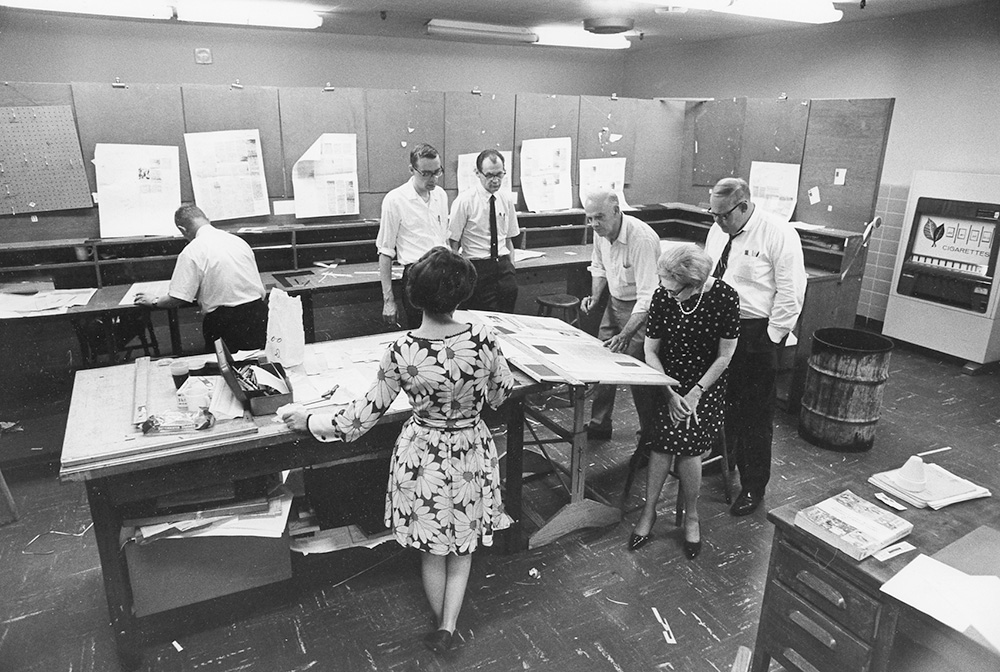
188,219
730,204
603,213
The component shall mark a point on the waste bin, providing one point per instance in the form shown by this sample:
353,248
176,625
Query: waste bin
842,396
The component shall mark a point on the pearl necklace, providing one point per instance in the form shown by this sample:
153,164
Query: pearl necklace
680,305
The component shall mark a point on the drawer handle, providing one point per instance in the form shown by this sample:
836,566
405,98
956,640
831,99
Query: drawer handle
807,624
793,657
829,593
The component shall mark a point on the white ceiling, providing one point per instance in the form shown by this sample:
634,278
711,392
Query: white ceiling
407,18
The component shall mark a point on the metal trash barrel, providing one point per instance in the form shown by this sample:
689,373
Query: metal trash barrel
842,395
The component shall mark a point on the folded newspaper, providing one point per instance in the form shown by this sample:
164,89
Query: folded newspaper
942,488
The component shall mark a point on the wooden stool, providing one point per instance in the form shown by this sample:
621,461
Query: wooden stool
567,305
8,512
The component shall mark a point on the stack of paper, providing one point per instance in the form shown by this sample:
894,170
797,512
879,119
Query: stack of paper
251,521
853,525
942,488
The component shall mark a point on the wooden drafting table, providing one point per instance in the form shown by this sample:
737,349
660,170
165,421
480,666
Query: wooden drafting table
120,467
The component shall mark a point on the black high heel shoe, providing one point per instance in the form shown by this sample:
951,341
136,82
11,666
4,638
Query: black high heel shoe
637,541
438,641
693,548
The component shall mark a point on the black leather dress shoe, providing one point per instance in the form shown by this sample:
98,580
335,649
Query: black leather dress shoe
598,432
438,641
746,503
637,541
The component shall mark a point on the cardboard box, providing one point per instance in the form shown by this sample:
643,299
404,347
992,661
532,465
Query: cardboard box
257,402
170,573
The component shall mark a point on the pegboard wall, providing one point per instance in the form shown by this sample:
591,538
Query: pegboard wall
41,166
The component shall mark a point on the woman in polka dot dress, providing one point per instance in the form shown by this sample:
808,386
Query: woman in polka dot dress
691,333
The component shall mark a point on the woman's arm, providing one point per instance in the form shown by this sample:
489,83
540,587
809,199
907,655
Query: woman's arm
501,381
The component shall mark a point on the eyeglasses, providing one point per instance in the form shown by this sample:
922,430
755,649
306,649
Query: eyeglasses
428,173
494,176
717,216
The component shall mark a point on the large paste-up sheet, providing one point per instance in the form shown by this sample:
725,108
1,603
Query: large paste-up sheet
546,180
774,187
138,189
603,175
325,178
227,173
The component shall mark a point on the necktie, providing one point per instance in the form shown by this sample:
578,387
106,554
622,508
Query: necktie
720,268
493,228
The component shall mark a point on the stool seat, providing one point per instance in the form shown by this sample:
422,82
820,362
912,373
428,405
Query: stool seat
567,305
558,300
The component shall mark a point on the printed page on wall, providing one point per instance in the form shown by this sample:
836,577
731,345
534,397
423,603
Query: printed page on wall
774,187
138,189
546,180
325,178
467,178
227,173
603,174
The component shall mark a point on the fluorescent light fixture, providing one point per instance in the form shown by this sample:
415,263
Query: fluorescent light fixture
271,14
801,11
708,5
569,36
133,9
480,31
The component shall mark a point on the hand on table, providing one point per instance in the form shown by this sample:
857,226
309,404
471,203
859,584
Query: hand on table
295,418
617,343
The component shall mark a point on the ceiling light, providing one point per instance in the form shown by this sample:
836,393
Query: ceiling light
123,8
802,11
608,26
271,14
567,36
481,31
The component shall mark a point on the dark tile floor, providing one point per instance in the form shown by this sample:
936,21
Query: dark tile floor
588,607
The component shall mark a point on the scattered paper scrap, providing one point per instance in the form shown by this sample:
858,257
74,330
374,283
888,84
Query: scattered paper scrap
177,646
534,573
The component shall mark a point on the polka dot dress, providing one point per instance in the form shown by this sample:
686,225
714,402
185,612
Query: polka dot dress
689,336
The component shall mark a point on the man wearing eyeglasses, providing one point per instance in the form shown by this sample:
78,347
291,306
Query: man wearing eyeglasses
484,224
414,220
760,256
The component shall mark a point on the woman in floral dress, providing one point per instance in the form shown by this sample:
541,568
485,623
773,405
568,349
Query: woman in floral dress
443,496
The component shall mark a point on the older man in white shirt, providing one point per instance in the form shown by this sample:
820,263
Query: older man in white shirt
623,262
414,220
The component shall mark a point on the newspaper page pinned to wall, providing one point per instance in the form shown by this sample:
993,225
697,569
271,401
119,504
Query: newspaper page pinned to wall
227,173
774,187
467,178
546,181
138,189
603,175
325,178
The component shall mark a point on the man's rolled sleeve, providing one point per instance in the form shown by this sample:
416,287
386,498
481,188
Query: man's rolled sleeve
646,279
596,267
388,230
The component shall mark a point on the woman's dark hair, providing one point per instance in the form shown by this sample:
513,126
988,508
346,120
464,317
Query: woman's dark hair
439,281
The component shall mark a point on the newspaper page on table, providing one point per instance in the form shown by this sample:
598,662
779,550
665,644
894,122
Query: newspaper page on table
138,189
774,187
325,178
546,180
227,173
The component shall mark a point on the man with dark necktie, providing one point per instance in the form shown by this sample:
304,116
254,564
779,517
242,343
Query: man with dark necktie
761,257
483,223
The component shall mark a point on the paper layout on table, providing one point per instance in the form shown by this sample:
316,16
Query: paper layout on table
325,178
468,179
852,525
943,488
546,180
548,349
227,173
52,302
152,288
603,174
524,255
774,187
138,189
969,604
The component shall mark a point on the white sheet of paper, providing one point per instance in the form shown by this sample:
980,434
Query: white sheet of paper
54,301
467,178
546,179
138,188
774,187
227,173
603,174
325,178
153,288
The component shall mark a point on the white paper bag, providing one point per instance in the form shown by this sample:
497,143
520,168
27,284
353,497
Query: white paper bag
286,337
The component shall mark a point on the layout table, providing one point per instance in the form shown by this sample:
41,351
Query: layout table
120,467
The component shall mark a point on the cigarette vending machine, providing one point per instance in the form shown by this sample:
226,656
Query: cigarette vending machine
944,292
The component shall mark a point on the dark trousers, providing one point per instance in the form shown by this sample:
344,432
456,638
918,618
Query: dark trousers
750,404
496,286
615,316
414,316
242,327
